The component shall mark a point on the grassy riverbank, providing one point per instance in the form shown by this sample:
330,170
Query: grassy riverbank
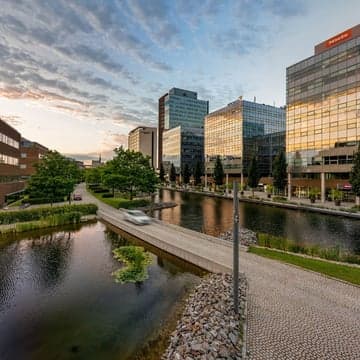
342,272
33,219
119,202
280,243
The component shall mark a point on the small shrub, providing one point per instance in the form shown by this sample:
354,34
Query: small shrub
107,195
10,217
280,198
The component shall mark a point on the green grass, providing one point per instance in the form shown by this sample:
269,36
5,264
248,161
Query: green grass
119,202
72,217
342,272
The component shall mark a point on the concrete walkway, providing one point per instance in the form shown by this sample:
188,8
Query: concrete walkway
292,313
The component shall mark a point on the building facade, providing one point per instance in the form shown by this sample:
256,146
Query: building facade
144,139
241,130
10,177
30,154
322,116
182,108
181,147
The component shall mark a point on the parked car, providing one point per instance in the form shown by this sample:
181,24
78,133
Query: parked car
77,196
137,217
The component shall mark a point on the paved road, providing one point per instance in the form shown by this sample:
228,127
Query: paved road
292,313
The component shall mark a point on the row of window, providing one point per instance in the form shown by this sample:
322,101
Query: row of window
9,141
9,160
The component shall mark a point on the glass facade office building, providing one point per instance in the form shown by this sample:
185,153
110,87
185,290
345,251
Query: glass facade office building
180,107
238,131
323,105
182,146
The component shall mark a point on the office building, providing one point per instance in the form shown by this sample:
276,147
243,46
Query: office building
241,130
10,181
322,115
144,139
182,108
182,146
30,154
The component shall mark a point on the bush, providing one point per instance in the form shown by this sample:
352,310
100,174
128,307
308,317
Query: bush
107,195
100,190
10,217
37,201
279,198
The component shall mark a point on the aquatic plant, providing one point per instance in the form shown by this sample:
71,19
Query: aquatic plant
136,260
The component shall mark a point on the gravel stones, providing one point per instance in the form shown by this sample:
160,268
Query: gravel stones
209,328
246,236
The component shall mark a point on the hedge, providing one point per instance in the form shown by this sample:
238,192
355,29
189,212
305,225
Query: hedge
10,217
36,201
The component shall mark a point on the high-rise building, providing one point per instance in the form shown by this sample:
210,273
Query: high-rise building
322,113
144,139
182,108
181,147
10,181
241,130
30,153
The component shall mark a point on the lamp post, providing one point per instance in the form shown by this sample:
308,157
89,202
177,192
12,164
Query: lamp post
236,248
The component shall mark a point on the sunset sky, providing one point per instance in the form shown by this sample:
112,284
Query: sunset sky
77,76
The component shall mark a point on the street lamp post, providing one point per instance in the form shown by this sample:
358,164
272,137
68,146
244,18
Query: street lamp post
236,248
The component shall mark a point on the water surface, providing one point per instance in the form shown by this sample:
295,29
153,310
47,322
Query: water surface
213,216
58,299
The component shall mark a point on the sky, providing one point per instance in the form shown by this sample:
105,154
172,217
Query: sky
78,75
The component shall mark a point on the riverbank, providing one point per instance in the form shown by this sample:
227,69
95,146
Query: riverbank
261,198
210,328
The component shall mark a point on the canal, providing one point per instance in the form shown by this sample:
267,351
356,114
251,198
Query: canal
213,216
59,300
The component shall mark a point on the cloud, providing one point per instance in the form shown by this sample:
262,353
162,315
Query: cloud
155,17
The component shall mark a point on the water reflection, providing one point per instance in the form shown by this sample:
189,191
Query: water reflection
214,216
58,299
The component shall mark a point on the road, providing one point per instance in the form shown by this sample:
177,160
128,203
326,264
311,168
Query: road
292,313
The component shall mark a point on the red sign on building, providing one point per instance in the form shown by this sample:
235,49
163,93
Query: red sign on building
346,35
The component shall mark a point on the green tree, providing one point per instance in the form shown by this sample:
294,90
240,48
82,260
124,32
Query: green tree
355,175
218,172
162,173
93,176
130,172
253,174
186,174
55,177
197,173
172,175
280,172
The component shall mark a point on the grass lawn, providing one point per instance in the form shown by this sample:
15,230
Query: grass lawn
118,202
342,272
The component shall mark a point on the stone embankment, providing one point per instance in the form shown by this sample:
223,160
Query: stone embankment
209,328
247,237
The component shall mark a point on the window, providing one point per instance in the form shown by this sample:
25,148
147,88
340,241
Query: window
22,166
23,155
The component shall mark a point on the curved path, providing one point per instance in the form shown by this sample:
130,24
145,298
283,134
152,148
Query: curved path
292,313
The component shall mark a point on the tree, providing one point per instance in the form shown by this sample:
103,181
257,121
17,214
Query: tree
186,174
162,173
355,176
130,172
55,177
253,174
93,176
218,172
279,171
197,173
172,175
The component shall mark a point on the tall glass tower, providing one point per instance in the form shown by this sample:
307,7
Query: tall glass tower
180,107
